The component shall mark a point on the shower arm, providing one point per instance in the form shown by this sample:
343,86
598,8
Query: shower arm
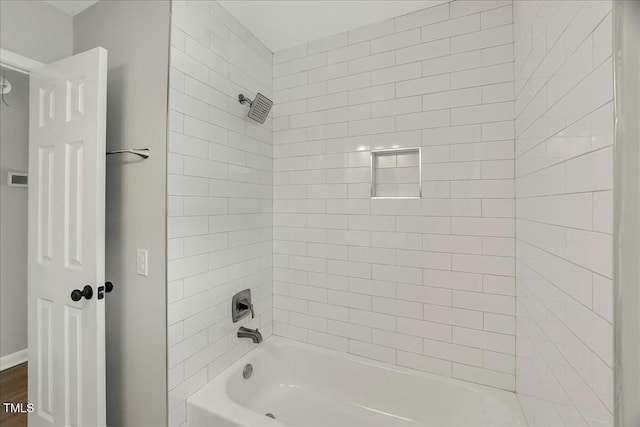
244,99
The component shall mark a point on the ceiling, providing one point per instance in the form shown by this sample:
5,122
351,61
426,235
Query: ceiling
282,24
286,23
71,7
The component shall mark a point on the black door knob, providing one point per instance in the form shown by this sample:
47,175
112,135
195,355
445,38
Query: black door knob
86,292
108,287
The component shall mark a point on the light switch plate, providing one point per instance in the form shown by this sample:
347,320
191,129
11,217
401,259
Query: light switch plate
142,262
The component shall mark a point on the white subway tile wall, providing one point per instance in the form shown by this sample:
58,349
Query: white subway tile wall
424,283
220,195
564,136
511,104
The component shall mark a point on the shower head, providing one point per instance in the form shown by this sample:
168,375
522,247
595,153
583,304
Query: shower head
258,108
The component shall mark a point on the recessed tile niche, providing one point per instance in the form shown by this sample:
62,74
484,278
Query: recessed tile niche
396,173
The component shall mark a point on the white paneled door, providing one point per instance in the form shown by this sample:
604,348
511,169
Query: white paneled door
67,118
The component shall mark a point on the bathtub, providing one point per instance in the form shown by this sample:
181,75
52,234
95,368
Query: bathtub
304,385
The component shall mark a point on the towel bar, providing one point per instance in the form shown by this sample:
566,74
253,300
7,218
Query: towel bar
142,152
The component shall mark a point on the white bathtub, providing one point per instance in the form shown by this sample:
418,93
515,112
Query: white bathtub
305,385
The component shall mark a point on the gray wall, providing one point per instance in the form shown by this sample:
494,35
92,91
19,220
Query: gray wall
35,29
627,213
14,134
136,34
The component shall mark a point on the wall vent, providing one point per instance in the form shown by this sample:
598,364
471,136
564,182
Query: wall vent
17,179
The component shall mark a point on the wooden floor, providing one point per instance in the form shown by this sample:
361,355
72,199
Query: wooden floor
13,388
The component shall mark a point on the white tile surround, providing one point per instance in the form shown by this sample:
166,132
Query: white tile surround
220,195
284,208
564,162
427,284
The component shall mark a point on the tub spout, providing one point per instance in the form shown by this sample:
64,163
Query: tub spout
254,334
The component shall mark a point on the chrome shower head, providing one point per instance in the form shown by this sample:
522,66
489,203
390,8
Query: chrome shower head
258,108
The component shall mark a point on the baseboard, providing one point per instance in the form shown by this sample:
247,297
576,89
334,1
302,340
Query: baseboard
13,359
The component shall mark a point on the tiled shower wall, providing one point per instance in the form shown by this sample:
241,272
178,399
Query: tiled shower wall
425,283
220,195
564,162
